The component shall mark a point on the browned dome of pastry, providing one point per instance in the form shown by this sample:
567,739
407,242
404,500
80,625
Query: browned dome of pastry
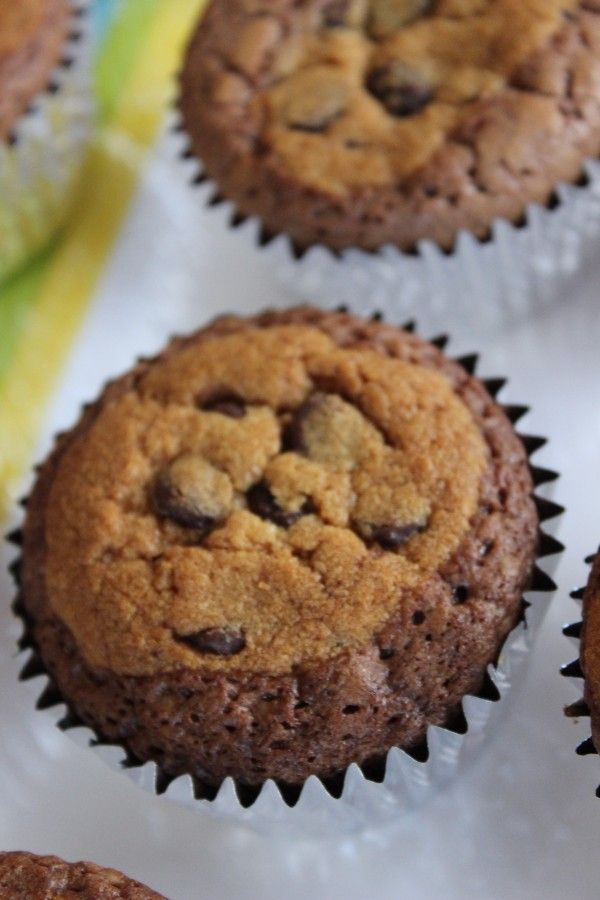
288,543
366,122
32,35
26,876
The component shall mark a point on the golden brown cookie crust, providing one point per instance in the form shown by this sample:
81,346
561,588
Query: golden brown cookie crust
338,133
433,649
32,37
26,876
394,448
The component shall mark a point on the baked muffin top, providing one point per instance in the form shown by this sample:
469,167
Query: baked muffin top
288,543
361,122
363,93
32,34
31,877
257,500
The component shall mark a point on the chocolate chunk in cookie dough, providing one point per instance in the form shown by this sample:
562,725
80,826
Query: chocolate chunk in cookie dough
192,493
402,90
330,430
393,536
226,404
219,641
262,503
388,16
313,103
346,13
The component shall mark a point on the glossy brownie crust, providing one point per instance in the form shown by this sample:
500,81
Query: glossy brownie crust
356,705
30,877
508,149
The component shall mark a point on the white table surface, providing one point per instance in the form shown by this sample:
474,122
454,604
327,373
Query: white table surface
522,823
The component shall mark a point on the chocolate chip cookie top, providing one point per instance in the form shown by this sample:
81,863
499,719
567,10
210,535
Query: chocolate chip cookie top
32,33
256,500
30,877
410,106
385,80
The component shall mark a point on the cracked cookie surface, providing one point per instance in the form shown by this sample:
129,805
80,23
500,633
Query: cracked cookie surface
361,123
296,526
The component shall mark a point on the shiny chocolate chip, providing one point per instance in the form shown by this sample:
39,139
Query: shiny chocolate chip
402,90
294,438
169,503
460,594
345,13
226,404
313,106
388,16
218,641
391,537
329,430
263,504
192,493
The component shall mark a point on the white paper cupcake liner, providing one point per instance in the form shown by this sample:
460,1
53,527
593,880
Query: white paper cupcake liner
355,801
573,671
41,161
522,268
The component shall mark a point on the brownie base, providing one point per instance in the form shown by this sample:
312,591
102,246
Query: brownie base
351,708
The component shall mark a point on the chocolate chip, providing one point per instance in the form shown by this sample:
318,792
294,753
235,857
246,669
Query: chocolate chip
402,90
262,503
329,430
388,16
345,13
390,537
218,641
192,493
170,504
226,404
311,107
293,438
460,593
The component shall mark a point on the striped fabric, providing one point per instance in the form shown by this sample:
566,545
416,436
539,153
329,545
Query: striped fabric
140,46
